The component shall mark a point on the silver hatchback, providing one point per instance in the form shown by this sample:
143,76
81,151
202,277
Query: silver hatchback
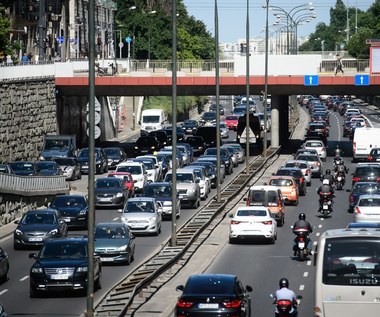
314,162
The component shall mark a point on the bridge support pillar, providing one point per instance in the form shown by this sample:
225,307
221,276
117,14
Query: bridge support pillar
280,120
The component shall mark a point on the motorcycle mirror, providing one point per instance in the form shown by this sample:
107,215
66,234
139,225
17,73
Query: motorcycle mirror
299,297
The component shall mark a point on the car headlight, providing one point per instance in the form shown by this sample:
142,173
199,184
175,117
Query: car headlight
152,219
83,212
18,232
167,203
122,248
124,219
98,162
37,270
119,195
191,191
82,269
53,232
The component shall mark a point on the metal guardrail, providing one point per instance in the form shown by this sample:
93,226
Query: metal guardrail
33,185
119,301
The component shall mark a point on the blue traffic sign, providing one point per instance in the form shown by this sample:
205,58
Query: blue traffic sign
128,39
311,80
361,80
60,39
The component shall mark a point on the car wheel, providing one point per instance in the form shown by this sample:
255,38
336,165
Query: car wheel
129,260
295,203
4,278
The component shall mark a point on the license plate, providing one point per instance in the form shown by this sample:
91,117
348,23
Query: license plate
339,178
325,207
301,245
59,277
208,305
35,239
137,225
106,259
181,196
105,199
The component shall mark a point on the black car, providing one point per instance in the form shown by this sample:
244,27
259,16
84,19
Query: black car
366,172
110,192
297,175
161,136
24,168
374,155
219,295
36,226
101,160
208,117
197,143
180,134
190,126
62,265
4,267
147,145
6,169
212,108
361,188
162,191
225,157
115,155
210,171
73,209
208,134
48,168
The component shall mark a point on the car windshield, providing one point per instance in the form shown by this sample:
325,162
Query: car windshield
281,182
148,141
39,218
46,166
367,171
68,202
209,286
369,202
64,249
139,206
135,170
56,144
148,164
107,183
181,177
209,115
232,118
109,232
151,119
313,144
22,166
366,188
112,151
65,161
158,191
312,158
251,212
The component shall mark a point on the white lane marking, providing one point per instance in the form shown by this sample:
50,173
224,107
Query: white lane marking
320,226
308,263
24,278
116,219
305,274
302,287
318,234
315,243
3,291
369,121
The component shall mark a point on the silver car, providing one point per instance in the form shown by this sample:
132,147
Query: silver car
187,186
143,215
224,130
239,150
234,152
314,163
303,166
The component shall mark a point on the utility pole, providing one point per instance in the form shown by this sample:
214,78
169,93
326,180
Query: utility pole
41,30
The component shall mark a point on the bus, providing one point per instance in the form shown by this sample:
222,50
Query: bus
348,273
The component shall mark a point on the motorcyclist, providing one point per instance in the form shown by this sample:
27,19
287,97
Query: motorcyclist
340,168
325,190
338,151
284,293
329,177
302,223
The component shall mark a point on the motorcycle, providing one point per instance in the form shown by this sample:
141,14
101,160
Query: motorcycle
325,204
340,180
301,242
284,307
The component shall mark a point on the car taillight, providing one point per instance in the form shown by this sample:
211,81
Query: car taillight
235,222
357,210
316,164
378,179
301,180
354,147
355,179
248,201
307,172
370,158
269,222
184,304
232,304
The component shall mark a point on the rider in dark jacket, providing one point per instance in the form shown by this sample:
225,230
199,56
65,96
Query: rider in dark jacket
302,223
329,177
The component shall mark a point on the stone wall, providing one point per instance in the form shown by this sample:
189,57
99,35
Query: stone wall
27,112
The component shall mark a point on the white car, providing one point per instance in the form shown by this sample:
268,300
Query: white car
143,215
252,222
138,171
318,146
367,208
157,164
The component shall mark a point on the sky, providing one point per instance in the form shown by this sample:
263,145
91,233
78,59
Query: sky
232,15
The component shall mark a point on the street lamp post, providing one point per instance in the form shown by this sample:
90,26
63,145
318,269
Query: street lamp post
149,31
41,30
266,80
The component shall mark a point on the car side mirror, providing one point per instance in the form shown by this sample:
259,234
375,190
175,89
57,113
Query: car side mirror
249,288
245,199
16,222
230,215
180,288
139,122
32,256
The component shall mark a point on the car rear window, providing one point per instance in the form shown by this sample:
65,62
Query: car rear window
367,171
209,286
281,182
250,212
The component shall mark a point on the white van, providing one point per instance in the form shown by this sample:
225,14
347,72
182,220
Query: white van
347,276
152,120
364,140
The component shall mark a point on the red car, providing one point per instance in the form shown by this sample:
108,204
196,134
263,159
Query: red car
231,122
128,181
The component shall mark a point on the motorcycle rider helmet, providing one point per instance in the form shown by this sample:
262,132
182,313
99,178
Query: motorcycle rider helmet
284,283
301,216
326,182
328,172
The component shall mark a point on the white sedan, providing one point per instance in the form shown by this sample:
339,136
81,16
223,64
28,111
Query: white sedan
367,208
318,146
252,222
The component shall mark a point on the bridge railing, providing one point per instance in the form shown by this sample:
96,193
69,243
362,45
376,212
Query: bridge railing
354,65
